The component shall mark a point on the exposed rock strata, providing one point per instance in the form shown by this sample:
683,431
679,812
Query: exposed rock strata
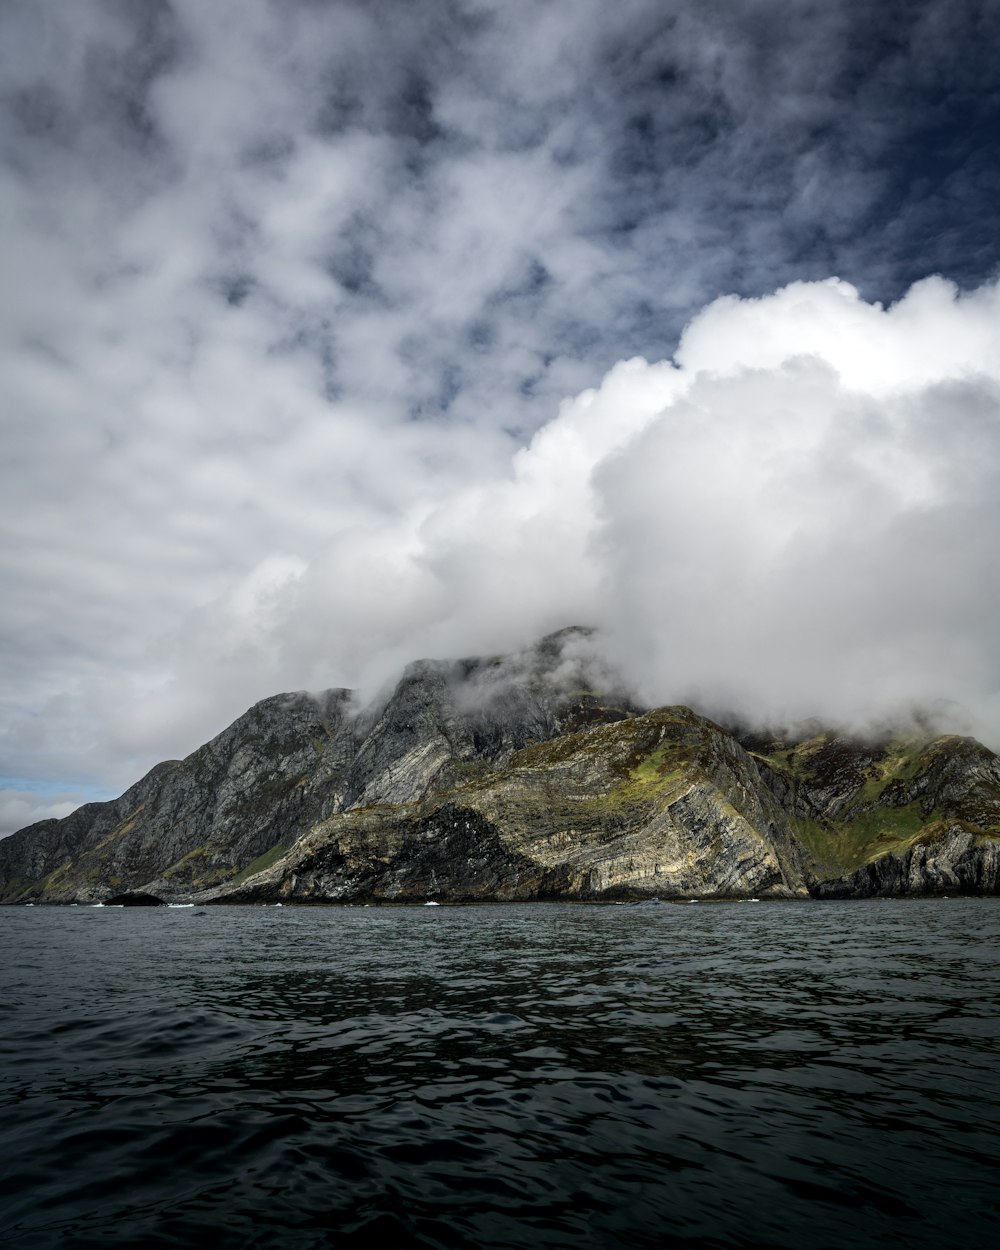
912,816
953,862
519,778
293,760
189,822
664,804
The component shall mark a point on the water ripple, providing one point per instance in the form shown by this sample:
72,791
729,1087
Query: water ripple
545,1076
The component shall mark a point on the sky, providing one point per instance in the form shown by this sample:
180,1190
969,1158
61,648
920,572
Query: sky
336,335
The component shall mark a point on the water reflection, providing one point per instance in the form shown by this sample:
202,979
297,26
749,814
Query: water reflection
716,1076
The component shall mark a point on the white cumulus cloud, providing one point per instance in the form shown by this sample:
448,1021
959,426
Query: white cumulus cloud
770,528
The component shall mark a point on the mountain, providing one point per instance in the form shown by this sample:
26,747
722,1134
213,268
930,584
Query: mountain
523,777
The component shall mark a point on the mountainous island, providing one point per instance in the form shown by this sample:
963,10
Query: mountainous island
523,777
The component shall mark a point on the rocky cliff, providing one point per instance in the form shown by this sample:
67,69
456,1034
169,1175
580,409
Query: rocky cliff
908,816
522,777
663,803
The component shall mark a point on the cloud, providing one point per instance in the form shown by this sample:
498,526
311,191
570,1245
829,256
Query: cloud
811,533
295,300
796,518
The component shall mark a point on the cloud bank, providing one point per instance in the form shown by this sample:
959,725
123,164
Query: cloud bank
796,517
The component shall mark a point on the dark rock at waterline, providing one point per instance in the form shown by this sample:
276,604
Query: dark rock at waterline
134,900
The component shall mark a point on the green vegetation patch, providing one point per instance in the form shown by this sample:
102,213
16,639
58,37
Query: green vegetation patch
663,766
903,761
268,858
58,876
796,762
127,825
882,814
824,759
14,885
195,869
627,739
846,845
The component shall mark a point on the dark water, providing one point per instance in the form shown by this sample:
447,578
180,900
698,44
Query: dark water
794,1075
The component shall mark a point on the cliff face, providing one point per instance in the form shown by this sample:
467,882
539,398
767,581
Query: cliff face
194,821
516,778
293,760
664,803
950,861
906,817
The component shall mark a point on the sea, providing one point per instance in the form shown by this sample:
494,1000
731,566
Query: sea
748,1074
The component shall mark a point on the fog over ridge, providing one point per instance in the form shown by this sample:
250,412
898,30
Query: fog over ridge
789,539
765,528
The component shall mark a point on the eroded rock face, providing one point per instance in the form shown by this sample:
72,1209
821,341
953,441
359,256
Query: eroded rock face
911,816
522,777
187,822
952,862
665,803
292,761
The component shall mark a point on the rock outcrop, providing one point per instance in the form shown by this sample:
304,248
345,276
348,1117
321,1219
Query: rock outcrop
660,804
191,822
910,816
952,861
522,777
292,760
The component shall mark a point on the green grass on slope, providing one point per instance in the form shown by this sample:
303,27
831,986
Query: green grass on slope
260,863
663,766
606,777
846,845
879,817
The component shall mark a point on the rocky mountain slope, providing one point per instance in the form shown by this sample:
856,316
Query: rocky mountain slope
522,777
915,815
